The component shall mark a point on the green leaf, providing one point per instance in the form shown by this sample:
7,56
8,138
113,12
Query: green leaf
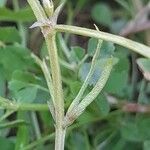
85,69
130,132
146,145
102,135
12,124
110,142
98,69
77,53
102,14
26,95
86,117
77,141
6,144
92,45
24,86
103,105
125,5
81,4
2,3
118,87
118,81
9,35
137,131
25,77
15,58
24,15
2,82
74,87
107,49
117,25
144,65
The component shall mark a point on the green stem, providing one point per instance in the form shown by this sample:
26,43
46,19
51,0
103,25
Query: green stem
60,134
8,104
22,31
76,111
8,113
39,141
77,125
57,89
87,79
36,125
135,46
22,132
33,107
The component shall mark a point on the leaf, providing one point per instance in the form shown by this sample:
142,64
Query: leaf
80,4
117,25
77,53
118,81
26,95
110,142
102,14
12,124
92,45
144,65
77,141
24,86
130,132
107,49
84,71
118,87
86,117
9,35
24,15
42,96
103,105
98,69
6,144
102,135
146,145
15,58
74,87
2,3
124,4
2,82
136,131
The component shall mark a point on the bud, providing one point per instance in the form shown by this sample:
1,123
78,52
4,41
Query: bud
48,7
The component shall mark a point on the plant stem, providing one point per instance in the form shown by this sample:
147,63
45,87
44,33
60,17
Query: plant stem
60,138
135,46
58,92
21,27
36,125
70,129
22,132
8,113
11,105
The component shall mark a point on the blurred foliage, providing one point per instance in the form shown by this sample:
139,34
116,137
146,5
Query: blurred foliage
102,126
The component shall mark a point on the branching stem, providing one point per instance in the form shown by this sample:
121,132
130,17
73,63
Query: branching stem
132,45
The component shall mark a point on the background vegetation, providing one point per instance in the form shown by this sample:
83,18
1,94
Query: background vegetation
118,119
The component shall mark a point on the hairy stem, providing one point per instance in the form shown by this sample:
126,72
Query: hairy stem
57,89
11,105
135,46
60,138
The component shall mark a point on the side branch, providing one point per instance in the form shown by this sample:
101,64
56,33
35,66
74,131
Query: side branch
12,105
135,46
